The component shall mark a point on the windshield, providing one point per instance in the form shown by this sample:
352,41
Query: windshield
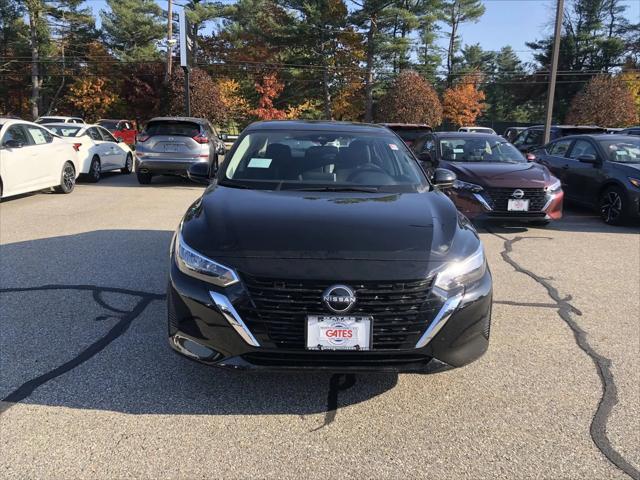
48,120
111,125
65,131
410,134
479,150
622,151
327,160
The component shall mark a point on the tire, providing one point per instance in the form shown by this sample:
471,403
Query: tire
613,206
67,179
95,170
128,165
144,178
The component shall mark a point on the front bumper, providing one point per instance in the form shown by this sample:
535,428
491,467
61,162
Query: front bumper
206,330
475,207
169,166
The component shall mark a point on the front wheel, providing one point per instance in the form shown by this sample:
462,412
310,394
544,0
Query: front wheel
128,165
613,205
67,179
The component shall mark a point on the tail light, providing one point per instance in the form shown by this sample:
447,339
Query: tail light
201,138
142,137
531,157
76,146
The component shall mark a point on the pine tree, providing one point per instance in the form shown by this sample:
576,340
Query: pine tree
132,27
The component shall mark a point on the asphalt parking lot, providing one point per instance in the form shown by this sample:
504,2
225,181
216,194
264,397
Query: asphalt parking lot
92,390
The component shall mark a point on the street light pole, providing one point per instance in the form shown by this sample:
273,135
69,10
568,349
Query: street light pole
554,71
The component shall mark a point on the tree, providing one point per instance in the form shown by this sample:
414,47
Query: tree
455,13
132,27
463,102
269,88
14,45
38,34
91,96
632,79
236,106
206,101
605,101
411,100
429,53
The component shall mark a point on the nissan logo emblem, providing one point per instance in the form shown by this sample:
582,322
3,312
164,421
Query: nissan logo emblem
517,194
339,298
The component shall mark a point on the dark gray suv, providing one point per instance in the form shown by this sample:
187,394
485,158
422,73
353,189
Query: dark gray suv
170,145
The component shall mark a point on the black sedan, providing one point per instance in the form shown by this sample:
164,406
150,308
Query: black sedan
600,171
323,245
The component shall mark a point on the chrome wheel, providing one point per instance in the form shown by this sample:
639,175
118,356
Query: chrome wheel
68,177
96,170
611,206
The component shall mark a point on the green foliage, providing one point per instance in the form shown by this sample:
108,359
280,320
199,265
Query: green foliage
132,27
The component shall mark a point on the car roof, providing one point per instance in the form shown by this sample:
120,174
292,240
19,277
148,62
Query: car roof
69,125
9,121
598,136
406,125
317,125
468,135
179,119
572,127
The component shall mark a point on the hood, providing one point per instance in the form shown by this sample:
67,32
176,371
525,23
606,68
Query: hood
241,223
516,175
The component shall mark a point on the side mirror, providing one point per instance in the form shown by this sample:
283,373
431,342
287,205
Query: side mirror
119,140
224,137
13,144
588,159
444,178
199,173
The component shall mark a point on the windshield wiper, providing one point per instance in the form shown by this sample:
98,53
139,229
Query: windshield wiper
335,189
229,184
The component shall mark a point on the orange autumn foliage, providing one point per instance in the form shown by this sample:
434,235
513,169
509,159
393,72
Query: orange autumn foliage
91,96
463,103
268,88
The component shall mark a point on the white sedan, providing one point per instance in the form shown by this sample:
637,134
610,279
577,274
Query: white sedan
32,158
98,150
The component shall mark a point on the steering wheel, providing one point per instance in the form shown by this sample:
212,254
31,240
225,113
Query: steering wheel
366,168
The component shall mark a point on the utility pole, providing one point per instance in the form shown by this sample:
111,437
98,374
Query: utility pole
554,71
169,39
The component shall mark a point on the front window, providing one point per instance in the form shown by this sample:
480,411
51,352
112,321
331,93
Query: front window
625,151
327,160
65,131
479,150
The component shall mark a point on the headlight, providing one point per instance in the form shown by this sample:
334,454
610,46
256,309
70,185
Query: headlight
554,186
635,182
471,187
462,272
192,263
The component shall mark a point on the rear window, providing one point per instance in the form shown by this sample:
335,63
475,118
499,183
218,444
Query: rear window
48,120
110,125
70,131
410,134
177,128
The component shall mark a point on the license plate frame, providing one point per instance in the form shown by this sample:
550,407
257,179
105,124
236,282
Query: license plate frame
518,205
318,326
171,147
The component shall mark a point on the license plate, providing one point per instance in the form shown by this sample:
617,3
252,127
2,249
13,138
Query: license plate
338,333
518,205
172,147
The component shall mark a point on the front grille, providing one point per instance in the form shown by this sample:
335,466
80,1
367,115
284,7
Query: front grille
277,309
498,198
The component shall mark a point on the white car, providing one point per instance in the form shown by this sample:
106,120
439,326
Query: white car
55,119
32,158
98,150
488,130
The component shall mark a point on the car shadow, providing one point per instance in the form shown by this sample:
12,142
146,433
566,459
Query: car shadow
88,331
575,219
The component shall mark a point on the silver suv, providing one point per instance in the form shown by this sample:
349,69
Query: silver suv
170,145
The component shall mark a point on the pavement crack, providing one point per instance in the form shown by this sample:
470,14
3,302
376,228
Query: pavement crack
609,398
336,386
125,320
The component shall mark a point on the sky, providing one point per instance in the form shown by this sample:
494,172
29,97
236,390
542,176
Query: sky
505,22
